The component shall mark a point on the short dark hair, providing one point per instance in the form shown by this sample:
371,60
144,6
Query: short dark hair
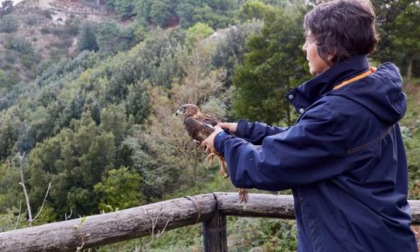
342,28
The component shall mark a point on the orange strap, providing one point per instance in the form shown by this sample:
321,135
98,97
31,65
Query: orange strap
358,77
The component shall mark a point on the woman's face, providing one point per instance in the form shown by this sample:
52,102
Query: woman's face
316,64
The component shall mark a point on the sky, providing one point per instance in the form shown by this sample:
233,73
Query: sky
16,1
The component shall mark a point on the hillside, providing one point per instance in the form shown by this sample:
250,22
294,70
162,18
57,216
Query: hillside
37,33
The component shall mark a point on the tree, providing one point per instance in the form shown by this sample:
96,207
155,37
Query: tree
112,39
124,8
9,24
161,149
215,13
162,13
87,38
11,196
9,131
198,32
254,9
273,65
119,189
21,159
231,49
143,8
406,34
73,161
154,146
185,11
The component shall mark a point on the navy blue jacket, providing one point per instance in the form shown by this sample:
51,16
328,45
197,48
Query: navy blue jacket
344,160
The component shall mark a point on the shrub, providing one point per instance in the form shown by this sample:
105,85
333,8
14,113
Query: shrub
31,19
19,44
9,24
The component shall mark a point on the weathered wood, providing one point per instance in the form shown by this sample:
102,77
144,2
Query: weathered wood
214,233
276,206
111,227
415,211
151,219
258,205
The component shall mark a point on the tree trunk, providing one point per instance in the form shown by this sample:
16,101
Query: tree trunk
409,71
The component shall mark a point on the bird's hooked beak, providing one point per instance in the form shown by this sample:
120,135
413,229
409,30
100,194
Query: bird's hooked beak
178,112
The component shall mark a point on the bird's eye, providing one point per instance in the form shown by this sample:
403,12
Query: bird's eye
182,109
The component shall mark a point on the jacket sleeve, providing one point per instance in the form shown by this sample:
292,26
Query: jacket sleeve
310,151
256,132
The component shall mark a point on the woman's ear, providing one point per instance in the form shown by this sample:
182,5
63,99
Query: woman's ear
330,58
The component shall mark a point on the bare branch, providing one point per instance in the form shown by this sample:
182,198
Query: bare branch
153,234
68,217
20,213
43,202
21,158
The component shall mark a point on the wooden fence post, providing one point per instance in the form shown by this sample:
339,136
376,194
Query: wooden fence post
214,233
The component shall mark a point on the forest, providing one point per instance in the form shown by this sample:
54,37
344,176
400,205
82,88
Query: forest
91,128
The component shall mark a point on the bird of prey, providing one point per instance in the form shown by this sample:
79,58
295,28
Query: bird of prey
199,126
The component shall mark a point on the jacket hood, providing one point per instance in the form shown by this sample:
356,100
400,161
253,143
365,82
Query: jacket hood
380,92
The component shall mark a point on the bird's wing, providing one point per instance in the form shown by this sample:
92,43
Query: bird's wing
209,119
198,130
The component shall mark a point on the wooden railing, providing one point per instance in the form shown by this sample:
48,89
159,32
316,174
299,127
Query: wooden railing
210,209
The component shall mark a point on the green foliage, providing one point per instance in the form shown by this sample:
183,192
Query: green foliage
262,234
406,33
164,157
87,39
11,196
47,215
215,13
255,9
73,162
138,102
19,44
198,32
119,189
185,11
217,16
114,120
8,134
20,50
9,24
143,8
230,50
124,9
31,19
7,221
398,33
154,158
271,68
162,13
112,39
154,61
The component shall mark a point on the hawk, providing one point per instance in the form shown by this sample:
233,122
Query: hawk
199,126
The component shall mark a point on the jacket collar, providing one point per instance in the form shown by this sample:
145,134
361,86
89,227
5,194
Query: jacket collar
309,92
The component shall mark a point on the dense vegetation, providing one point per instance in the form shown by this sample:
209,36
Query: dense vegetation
93,129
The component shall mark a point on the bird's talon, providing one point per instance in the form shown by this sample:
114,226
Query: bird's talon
209,159
243,196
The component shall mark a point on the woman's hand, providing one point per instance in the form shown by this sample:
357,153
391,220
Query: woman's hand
208,143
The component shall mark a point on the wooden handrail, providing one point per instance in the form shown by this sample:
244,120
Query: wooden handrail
97,230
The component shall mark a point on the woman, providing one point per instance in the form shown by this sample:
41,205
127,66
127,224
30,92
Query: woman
344,159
